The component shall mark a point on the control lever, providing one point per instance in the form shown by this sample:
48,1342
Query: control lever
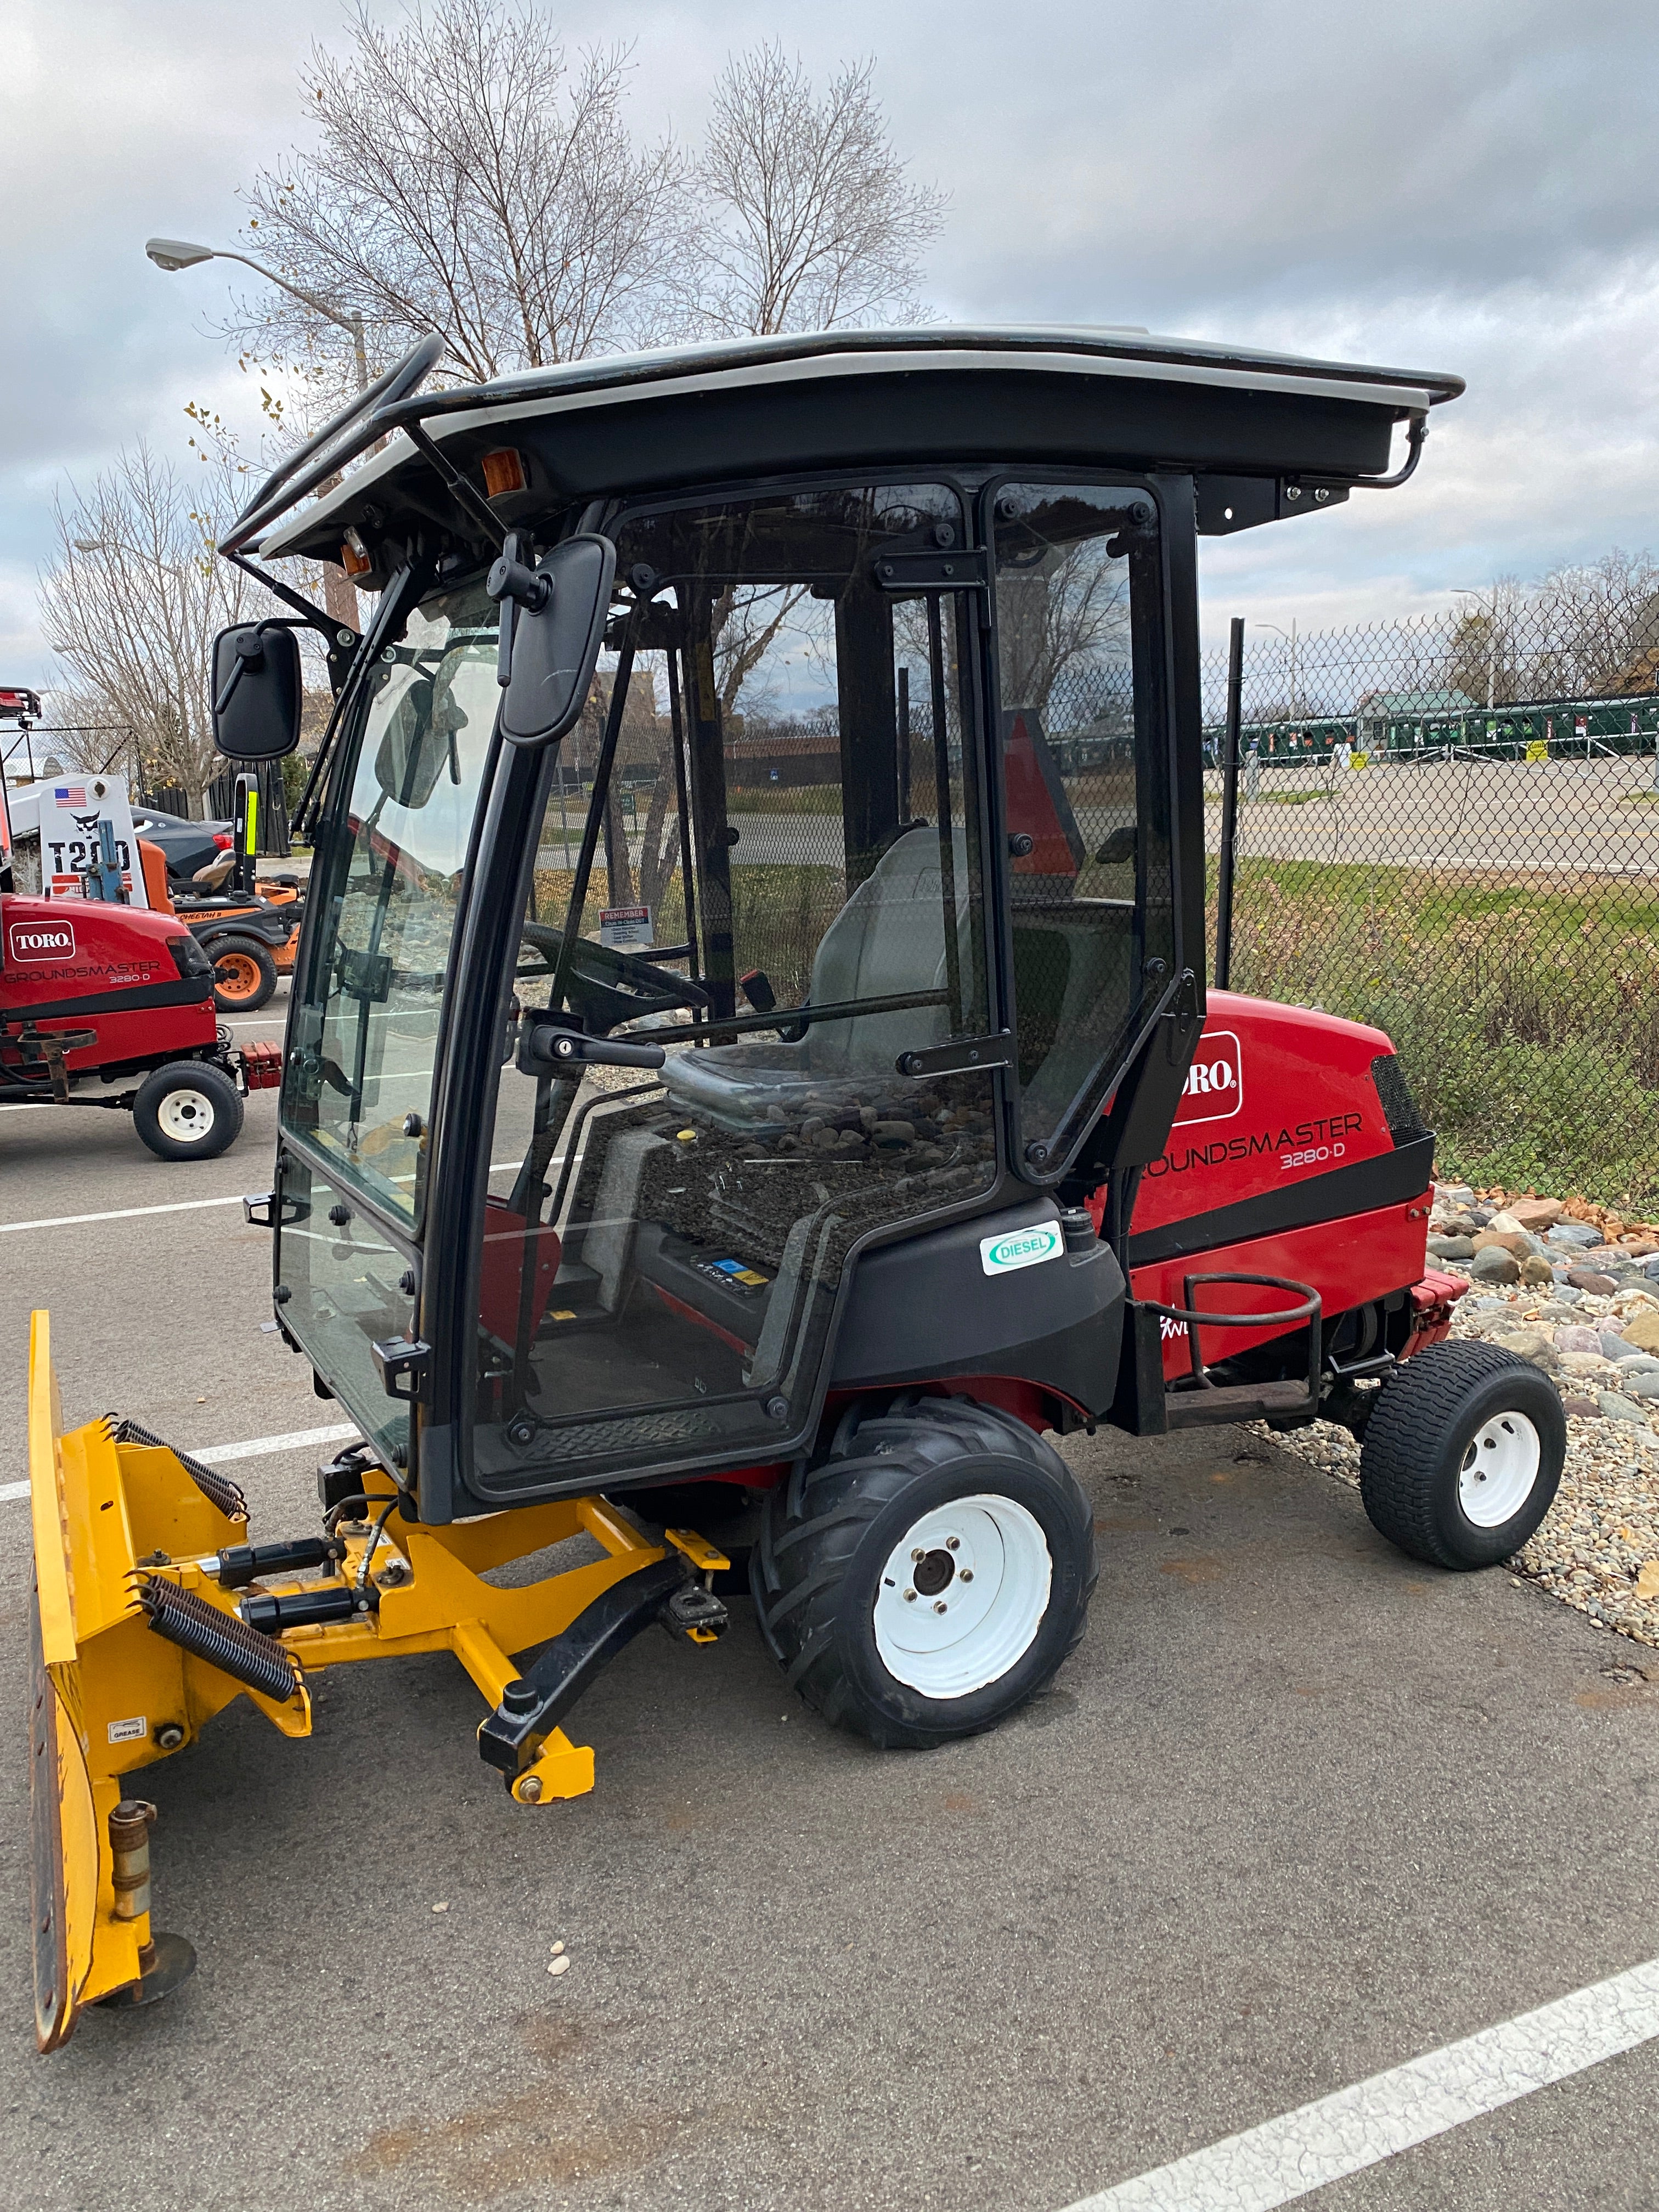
545,1048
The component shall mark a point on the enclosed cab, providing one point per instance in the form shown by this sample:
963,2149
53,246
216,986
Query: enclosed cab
882,821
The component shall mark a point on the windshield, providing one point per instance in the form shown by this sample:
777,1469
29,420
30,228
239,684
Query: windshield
358,1083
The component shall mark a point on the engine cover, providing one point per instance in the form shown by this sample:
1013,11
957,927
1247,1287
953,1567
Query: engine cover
1297,1151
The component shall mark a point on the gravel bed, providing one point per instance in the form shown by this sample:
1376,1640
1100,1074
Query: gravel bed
1598,1548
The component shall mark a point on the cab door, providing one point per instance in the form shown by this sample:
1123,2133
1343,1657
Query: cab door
1083,742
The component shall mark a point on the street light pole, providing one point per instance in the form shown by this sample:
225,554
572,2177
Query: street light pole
1468,592
175,253
172,254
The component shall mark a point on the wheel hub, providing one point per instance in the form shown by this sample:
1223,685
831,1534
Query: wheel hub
962,1596
1500,1466
186,1116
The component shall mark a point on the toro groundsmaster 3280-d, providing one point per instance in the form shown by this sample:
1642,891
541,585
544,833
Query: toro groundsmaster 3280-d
764,1169
94,991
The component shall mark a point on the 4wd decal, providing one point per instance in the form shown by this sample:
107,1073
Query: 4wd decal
1214,1089
40,940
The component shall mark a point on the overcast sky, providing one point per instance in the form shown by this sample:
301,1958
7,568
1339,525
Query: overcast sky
1471,185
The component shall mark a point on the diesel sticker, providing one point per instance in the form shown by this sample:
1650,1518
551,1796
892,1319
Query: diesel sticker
1021,1248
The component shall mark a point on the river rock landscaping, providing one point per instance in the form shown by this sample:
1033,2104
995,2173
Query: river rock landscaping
1575,1289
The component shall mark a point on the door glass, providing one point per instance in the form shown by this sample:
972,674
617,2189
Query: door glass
363,1039
786,896
1085,790
345,1281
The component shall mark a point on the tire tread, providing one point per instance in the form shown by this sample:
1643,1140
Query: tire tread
813,1528
1416,1408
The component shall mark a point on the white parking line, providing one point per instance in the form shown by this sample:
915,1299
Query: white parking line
217,1454
120,1213
294,1440
1290,2157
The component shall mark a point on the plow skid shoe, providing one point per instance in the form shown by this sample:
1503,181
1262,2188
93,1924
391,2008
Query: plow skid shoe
108,1695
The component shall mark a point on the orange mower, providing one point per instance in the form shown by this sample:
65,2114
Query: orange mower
250,937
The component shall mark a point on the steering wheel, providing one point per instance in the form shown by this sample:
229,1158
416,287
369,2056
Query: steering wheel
606,988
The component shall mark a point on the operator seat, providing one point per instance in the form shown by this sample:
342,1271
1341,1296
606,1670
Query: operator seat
887,942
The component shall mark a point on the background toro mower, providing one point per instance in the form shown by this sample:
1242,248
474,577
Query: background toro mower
94,991
901,1136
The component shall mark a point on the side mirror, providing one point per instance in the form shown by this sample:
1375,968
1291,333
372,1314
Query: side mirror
256,691
552,627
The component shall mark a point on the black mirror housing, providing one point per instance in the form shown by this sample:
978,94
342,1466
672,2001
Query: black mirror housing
552,627
257,693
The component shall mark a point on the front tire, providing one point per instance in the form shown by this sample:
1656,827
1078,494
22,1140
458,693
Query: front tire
188,1110
244,975
930,1575
1462,1456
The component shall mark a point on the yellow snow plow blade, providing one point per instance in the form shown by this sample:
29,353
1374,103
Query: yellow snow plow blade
107,1697
147,1605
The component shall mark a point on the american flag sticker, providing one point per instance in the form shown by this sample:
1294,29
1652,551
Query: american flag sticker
69,794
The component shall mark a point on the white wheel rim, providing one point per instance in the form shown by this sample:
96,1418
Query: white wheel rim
963,1595
1500,1469
186,1116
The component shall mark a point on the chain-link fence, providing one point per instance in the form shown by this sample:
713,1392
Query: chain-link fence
1449,828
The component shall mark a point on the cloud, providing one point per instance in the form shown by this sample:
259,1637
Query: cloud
1471,187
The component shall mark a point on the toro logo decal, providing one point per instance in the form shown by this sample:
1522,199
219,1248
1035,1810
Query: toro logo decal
41,941
1215,1090
1021,1248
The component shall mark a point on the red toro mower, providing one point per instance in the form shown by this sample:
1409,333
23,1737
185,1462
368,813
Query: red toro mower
900,1137
93,993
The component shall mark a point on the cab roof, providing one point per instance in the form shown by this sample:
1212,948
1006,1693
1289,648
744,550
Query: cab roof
1261,431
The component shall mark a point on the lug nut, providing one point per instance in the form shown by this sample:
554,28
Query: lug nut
910,1597
918,1553
953,1543
940,1606
966,1576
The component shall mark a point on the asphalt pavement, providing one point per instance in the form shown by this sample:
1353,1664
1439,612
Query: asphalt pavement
1297,1810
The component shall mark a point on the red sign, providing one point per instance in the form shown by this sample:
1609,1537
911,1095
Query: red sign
1215,1090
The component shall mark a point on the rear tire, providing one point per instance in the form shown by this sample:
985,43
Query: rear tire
964,1508
188,1110
1462,1456
244,975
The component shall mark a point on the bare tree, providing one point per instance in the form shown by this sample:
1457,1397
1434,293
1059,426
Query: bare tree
1483,656
1061,615
809,221
1599,617
469,178
133,599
